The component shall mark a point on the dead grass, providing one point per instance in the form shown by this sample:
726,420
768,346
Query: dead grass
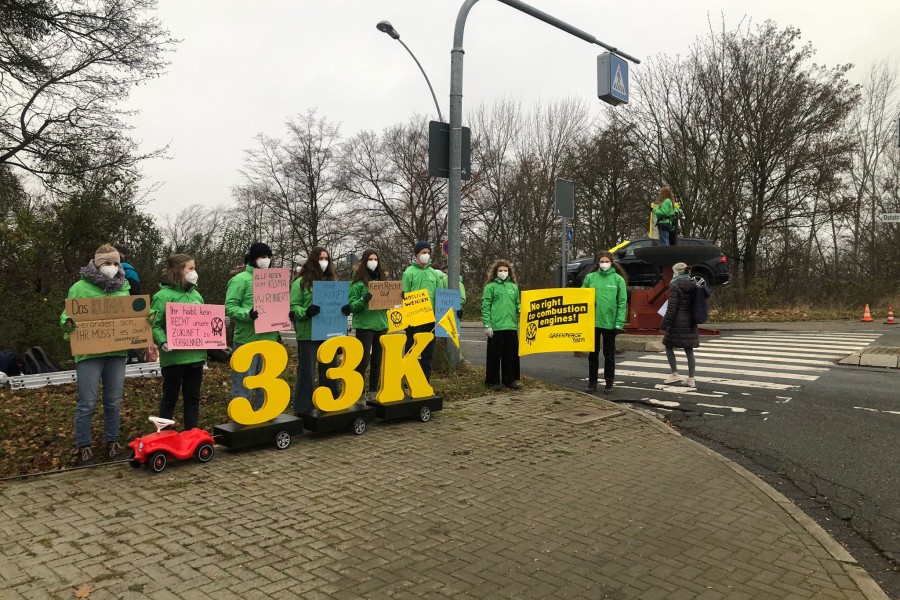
36,425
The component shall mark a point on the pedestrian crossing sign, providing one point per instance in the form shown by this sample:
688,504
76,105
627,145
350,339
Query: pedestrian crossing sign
612,79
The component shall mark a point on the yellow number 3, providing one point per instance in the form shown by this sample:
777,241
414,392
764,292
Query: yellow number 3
276,392
346,372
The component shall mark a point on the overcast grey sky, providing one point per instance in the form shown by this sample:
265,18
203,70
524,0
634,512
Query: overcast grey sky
244,68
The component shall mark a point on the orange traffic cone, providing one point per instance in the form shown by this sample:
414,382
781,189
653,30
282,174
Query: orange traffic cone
890,320
867,316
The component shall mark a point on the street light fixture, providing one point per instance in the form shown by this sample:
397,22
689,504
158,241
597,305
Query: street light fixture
386,27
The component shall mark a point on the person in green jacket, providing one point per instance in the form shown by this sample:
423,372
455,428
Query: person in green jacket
370,324
500,305
664,209
610,305
182,370
420,276
103,276
239,308
318,267
462,290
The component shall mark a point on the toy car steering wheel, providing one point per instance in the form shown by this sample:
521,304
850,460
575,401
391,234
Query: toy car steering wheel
160,423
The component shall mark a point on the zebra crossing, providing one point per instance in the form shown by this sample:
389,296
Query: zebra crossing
735,366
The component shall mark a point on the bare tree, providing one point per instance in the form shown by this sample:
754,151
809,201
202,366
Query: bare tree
66,66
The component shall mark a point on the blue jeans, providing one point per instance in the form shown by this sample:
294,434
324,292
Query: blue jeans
111,370
237,382
663,236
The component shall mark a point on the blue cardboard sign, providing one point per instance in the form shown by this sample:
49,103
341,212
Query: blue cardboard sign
445,299
330,296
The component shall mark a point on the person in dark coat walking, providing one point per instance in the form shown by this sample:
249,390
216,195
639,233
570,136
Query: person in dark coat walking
678,325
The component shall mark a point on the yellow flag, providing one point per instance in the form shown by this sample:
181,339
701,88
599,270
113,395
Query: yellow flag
448,322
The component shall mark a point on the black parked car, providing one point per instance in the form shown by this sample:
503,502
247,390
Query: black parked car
640,273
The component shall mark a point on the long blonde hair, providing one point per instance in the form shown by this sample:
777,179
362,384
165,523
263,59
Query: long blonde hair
175,269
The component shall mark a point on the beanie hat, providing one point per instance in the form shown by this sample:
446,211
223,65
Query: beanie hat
679,268
256,250
421,246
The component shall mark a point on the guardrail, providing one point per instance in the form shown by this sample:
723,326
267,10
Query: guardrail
60,377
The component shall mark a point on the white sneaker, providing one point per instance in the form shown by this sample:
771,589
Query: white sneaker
674,378
689,382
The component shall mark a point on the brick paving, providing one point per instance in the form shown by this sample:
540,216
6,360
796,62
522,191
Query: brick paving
489,500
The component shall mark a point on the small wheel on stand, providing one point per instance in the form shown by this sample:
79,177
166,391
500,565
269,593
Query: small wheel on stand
424,414
282,440
359,426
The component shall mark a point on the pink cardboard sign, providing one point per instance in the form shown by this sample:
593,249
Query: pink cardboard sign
195,326
272,299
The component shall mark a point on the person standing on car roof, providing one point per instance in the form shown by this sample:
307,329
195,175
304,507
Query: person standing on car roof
610,306
678,326
664,210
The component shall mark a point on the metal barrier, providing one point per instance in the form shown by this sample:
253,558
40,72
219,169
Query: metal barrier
60,377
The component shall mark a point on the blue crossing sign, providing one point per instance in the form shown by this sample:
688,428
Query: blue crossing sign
612,79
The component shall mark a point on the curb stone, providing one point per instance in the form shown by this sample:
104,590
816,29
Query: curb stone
867,585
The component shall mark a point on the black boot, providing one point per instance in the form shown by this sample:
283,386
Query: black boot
592,386
609,387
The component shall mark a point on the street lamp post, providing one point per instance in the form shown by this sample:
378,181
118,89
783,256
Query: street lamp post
387,28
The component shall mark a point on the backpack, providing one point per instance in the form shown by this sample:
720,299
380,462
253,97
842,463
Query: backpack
700,309
37,361
10,363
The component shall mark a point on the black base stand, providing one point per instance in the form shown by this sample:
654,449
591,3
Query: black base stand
278,431
354,418
421,408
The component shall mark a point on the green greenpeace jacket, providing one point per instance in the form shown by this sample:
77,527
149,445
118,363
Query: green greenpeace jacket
301,299
363,316
238,302
500,305
416,277
85,289
171,293
664,212
611,298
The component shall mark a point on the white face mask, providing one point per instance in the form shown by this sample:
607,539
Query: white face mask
263,263
323,264
424,258
191,277
502,275
372,265
605,266
110,270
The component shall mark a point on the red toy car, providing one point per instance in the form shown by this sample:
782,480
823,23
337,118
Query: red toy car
157,448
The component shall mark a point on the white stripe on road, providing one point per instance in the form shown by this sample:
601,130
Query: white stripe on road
672,389
715,369
761,356
736,348
749,363
816,338
762,385
734,409
784,346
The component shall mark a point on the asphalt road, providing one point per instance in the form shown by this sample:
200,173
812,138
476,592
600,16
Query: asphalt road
825,435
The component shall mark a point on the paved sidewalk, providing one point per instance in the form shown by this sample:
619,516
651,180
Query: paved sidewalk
491,499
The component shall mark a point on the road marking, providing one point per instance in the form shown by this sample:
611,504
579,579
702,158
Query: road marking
671,389
886,412
715,369
816,338
795,352
734,409
752,363
761,356
764,347
763,385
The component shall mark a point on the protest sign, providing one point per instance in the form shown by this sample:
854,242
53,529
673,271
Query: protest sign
557,320
417,308
195,326
271,299
385,294
109,323
448,324
329,296
445,300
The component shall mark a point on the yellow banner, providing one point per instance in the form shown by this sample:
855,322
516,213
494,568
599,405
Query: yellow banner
557,320
448,322
417,309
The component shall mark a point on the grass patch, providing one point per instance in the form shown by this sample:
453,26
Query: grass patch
37,425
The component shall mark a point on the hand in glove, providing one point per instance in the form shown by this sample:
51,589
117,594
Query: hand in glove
459,314
367,297
489,331
346,309
313,310
291,316
164,346
253,314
